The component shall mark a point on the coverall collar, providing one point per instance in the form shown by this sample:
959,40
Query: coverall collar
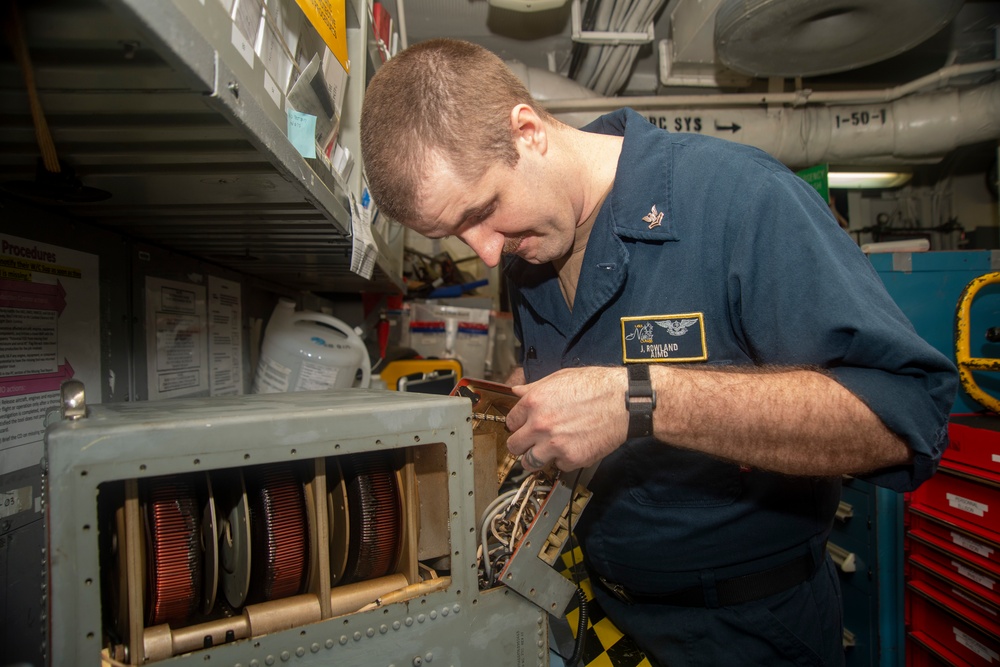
626,214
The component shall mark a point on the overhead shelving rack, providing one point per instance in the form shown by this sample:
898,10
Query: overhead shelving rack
152,102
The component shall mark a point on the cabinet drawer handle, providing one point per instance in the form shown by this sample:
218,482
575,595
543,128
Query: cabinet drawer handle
844,511
843,558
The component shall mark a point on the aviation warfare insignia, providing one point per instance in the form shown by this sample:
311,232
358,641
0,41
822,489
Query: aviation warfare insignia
676,338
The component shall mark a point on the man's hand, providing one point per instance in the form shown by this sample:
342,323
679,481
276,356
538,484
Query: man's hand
801,422
572,418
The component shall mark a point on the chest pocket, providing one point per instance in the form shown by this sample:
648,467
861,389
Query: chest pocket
541,353
663,476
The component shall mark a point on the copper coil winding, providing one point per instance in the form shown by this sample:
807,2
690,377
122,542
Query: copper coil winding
376,521
174,554
279,532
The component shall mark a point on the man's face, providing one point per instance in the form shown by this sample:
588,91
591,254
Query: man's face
519,211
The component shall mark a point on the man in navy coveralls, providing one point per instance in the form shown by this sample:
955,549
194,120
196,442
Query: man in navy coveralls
692,318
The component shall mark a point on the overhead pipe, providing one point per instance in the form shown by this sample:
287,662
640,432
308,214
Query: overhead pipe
890,125
796,98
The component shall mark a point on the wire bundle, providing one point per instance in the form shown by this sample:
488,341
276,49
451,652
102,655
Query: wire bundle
505,522
502,526
605,68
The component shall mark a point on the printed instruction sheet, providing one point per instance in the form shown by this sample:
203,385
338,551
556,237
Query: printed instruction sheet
49,333
225,343
176,339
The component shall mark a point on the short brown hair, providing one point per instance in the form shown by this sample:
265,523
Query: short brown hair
443,95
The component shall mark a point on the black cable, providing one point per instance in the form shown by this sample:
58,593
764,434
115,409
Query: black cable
581,630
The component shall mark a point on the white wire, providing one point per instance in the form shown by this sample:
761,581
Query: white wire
485,522
500,505
499,500
520,511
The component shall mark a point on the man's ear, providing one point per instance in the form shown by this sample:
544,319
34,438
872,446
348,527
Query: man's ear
528,129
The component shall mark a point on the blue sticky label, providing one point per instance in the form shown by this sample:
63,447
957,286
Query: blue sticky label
302,132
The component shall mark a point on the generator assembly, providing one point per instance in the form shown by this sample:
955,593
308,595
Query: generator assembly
347,527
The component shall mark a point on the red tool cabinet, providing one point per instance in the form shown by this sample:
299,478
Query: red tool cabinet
952,548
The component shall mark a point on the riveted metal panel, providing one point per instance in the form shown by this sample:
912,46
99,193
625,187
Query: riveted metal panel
455,625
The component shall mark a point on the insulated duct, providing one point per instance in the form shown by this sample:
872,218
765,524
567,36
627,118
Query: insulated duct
548,86
791,38
890,126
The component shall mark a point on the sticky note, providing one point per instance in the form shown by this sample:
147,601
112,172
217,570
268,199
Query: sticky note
302,132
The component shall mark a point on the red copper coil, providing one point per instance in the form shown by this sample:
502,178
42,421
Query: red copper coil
279,532
376,516
174,555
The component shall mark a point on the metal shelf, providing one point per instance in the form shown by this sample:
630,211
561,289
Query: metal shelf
153,103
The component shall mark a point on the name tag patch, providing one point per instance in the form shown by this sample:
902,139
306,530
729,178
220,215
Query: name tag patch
676,338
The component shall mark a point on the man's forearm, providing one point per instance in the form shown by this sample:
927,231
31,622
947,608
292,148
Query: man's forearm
799,422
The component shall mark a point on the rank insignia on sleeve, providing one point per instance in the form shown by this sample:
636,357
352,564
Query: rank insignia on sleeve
664,338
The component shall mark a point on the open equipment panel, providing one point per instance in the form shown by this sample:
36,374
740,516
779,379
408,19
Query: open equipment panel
332,527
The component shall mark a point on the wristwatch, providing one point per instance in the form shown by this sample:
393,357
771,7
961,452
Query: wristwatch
640,401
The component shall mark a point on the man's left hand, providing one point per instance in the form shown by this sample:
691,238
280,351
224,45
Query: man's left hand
573,418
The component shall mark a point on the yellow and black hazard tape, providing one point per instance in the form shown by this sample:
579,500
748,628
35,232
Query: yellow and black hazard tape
605,645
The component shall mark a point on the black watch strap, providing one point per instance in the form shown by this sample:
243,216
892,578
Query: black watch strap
640,401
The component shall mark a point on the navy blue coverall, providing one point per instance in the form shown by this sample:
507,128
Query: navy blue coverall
711,252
